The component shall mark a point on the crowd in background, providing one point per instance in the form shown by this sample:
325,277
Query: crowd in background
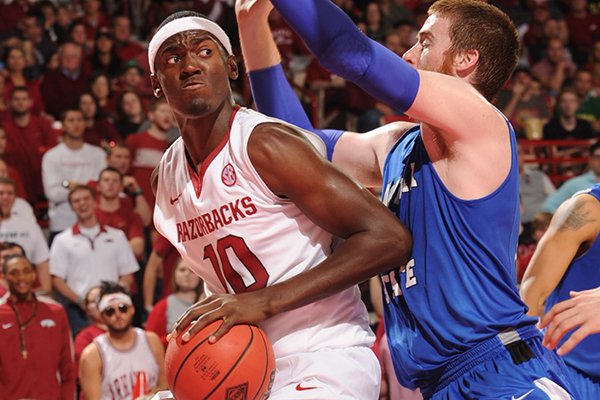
81,132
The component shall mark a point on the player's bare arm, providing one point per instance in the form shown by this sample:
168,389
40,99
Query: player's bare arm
574,226
375,240
578,314
360,155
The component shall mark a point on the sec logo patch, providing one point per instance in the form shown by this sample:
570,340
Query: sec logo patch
228,175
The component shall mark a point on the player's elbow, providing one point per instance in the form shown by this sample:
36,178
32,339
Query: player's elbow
396,241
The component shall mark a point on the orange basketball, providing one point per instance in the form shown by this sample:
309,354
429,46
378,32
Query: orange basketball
240,366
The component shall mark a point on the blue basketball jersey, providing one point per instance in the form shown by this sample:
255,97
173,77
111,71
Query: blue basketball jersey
582,274
459,286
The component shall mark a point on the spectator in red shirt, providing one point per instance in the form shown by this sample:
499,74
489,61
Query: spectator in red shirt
104,57
130,114
62,87
15,61
125,47
187,289
36,359
96,327
28,138
78,35
11,171
101,88
158,271
93,18
99,130
583,30
119,157
147,148
111,211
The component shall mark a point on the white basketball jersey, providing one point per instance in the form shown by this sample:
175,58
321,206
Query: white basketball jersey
239,236
120,368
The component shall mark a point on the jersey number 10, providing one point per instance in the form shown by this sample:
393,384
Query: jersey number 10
220,258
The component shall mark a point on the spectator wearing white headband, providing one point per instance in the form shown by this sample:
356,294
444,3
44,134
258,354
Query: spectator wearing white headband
110,365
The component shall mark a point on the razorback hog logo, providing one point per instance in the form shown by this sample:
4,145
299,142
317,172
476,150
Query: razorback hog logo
228,175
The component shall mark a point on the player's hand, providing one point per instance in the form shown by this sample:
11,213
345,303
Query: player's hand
249,308
252,8
580,312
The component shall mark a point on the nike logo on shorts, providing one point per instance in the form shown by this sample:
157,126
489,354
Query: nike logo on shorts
300,388
522,397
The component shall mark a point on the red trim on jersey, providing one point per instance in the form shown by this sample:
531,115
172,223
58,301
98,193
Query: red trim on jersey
198,177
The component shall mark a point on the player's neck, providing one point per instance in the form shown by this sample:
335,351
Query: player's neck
202,135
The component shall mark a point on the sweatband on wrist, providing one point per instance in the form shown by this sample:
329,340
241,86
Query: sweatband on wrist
112,298
274,97
186,24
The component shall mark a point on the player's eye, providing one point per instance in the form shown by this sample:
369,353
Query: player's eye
173,59
205,52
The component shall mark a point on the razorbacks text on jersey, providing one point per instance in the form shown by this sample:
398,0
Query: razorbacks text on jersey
239,236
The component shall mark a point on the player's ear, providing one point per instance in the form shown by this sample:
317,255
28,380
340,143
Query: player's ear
234,72
156,89
466,61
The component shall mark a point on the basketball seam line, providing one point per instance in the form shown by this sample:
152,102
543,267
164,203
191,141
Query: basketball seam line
234,365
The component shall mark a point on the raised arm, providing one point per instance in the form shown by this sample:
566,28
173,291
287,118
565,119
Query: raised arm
573,227
439,100
359,155
375,239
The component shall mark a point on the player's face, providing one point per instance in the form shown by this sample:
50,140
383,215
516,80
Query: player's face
20,276
118,316
110,185
429,53
193,73
7,198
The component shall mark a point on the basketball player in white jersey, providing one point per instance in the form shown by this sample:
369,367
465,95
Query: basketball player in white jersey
110,365
252,207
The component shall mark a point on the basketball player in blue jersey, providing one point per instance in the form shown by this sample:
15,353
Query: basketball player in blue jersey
456,326
567,259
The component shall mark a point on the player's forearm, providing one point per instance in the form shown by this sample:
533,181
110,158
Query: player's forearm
360,257
44,276
61,287
256,40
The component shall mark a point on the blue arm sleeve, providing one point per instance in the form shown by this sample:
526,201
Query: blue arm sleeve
274,97
344,50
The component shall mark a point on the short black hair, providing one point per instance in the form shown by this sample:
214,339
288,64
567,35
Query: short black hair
110,169
10,245
14,257
110,287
